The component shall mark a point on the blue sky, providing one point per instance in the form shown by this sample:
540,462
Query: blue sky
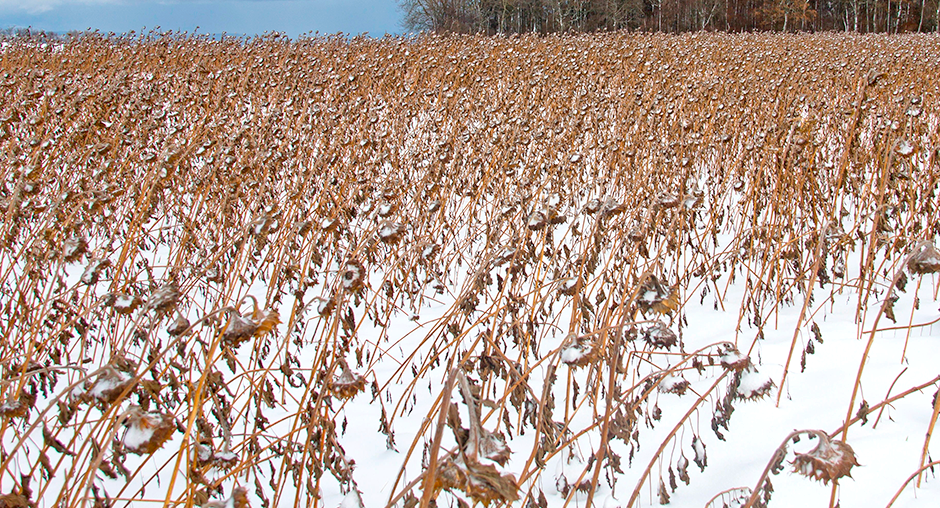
251,17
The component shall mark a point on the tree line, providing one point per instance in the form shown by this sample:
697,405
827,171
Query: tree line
550,16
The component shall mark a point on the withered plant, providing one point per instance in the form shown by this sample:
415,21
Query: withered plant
523,221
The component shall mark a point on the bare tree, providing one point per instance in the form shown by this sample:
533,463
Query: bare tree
545,16
460,16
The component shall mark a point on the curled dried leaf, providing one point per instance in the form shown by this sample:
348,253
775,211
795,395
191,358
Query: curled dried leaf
493,446
179,325
267,320
504,255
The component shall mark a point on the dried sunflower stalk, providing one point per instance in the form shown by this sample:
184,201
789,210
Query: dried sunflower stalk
466,472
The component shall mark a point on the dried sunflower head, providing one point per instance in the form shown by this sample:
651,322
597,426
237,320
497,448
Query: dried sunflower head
592,206
325,306
637,231
19,406
657,297
73,249
830,460
660,336
238,330
611,207
123,304
238,499
734,360
429,251
347,384
107,386
391,232
578,351
568,286
753,385
924,259
482,482
164,299
674,384
353,275
213,274
537,220
146,432
666,200
206,456
93,270
386,209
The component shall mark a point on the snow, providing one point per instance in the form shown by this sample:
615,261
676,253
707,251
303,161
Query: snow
753,383
137,435
574,353
352,500
106,383
673,383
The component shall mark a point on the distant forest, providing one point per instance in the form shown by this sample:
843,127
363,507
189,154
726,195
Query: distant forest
551,16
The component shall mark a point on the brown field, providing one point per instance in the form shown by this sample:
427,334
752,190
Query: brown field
212,251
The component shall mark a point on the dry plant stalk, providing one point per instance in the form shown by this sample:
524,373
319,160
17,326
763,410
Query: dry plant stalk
154,183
